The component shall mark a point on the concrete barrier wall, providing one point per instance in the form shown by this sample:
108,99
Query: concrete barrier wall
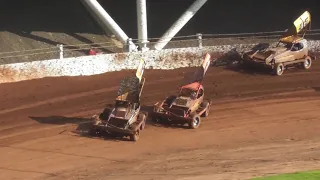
92,65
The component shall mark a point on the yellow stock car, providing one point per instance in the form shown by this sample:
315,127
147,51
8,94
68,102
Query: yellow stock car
291,50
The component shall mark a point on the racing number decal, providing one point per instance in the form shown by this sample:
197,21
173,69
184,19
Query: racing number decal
302,21
140,69
206,63
303,24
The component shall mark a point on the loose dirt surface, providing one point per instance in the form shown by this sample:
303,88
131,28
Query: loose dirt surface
259,125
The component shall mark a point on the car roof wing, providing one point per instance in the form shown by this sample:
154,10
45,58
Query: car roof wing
300,25
200,72
131,87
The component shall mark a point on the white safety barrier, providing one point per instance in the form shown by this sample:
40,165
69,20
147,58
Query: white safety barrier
98,64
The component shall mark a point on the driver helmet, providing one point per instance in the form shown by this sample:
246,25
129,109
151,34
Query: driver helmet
193,94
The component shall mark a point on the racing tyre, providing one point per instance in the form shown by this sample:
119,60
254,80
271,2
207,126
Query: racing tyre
307,63
143,125
143,119
169,100
278,69
195,122
206,113
135,136
158,119
105,114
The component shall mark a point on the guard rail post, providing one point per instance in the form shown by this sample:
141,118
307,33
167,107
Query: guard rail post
199,35
131,47
60,50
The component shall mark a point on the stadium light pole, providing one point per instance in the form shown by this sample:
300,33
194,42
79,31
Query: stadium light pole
142,24
178,25
105,19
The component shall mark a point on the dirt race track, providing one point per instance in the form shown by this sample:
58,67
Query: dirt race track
259,125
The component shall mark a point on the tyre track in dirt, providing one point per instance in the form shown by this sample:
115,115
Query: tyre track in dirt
172,153
251,111
58,101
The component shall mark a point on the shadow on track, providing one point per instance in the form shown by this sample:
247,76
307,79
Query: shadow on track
82,129
59,120
84,124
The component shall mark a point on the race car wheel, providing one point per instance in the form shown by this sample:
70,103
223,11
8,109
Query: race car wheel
307,63
279,68
135,136
158,119
143,125
142,117
195,122
206,113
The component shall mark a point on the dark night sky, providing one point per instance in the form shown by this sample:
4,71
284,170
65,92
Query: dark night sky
217,16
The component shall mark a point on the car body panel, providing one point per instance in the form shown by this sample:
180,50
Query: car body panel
290,47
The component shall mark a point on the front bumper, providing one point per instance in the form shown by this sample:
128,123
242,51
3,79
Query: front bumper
251,60
111,129
164,114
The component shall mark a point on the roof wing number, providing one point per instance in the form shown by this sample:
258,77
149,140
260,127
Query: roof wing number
140,69
302,21
206,63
